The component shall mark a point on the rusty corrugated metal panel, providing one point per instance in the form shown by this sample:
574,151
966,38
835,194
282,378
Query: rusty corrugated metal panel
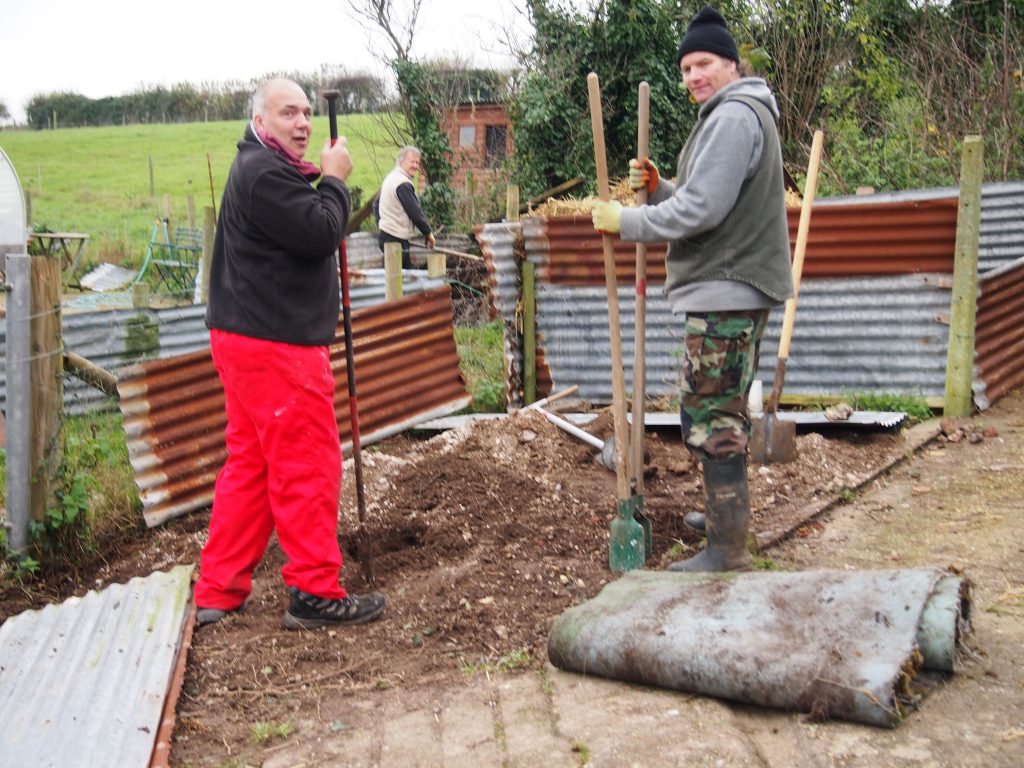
498,244
861,325
894,238
1002,216
891,238
999,332
85,681
498,247
407,370
574,253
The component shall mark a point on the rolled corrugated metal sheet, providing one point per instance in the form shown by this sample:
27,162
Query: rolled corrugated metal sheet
84,682
407,370
999,332
498,246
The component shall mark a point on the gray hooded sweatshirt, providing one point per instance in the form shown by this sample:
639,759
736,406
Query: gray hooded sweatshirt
725,216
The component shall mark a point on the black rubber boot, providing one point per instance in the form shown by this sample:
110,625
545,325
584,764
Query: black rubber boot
694,520
727,519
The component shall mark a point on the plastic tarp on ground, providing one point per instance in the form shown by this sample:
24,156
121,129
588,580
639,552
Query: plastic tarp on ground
836,644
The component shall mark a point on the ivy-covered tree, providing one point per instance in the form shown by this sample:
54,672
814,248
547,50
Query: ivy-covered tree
419,87
624,42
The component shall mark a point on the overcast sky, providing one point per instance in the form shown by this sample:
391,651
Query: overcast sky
110,47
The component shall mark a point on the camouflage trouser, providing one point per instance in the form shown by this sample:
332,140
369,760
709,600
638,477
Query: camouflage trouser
720,364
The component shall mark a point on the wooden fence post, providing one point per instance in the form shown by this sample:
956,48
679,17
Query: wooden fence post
437,265
47,383
512,202
392,271
191,202
963,309
152,189
529,333
168,214
140,295
209,234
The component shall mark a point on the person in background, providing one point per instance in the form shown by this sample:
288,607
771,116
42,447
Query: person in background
272,312
728,263
397,208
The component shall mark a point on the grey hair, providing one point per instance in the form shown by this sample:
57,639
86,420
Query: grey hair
259,98
407,150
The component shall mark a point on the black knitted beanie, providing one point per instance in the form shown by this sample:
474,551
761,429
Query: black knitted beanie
707,32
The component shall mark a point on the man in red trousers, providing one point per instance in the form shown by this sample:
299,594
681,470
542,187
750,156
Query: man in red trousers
272,312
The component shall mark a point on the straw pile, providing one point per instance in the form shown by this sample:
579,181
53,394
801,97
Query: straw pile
571,206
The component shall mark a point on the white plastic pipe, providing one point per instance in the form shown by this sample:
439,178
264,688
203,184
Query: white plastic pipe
573,430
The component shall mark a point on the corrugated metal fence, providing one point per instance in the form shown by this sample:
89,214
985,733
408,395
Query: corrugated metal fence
407,370
872,315
113,339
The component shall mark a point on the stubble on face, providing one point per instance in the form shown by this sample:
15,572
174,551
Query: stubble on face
705,73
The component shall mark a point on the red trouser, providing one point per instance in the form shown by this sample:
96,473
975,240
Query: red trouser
283,470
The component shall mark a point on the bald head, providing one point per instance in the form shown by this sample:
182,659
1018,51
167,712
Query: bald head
280,108
270,87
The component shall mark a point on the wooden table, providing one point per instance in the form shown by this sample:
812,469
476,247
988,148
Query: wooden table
68,245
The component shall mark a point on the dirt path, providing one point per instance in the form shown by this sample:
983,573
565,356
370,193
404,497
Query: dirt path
955,504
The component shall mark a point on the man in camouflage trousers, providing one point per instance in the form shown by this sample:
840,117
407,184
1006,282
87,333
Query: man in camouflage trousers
727,266
720,363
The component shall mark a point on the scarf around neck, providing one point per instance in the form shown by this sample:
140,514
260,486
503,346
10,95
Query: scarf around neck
310,170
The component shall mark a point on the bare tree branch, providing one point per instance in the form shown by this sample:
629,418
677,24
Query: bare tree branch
381,16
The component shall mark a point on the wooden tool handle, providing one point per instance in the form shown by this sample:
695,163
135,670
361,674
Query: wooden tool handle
537,404
640,318
801,242
618,378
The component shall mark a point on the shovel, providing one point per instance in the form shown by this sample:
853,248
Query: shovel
364,544
772,440
626,550
640,332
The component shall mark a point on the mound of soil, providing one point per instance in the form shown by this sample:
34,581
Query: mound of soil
481,536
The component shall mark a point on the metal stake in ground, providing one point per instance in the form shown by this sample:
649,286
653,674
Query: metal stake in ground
626,540
364,547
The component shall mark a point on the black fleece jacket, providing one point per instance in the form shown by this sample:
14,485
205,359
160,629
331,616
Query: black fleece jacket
274,273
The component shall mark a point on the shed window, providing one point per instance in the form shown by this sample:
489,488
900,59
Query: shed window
497,136
467,135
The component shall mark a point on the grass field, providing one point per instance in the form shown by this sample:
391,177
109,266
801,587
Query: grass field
97,180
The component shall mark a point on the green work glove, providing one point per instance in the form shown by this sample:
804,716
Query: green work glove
643,174
606,216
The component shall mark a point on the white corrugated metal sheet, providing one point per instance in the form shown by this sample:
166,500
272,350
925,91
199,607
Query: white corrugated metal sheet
83,683
851,335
